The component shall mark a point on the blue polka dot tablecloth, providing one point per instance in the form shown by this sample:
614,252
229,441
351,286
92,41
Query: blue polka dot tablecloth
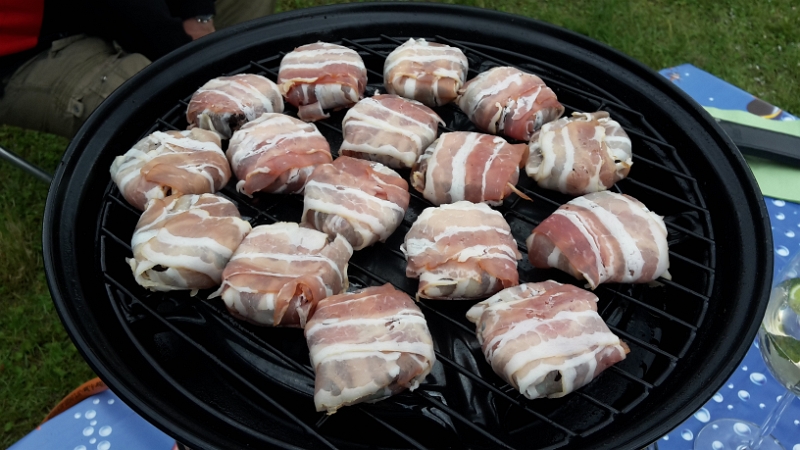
752,392
100,422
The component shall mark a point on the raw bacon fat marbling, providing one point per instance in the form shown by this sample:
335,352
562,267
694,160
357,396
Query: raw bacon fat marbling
366,346
281,271
184,242
388,129
276,153
171,163
428,72
362,201
508,101
225,103
602,237
545,339
461,251
585,153
470,166
321,76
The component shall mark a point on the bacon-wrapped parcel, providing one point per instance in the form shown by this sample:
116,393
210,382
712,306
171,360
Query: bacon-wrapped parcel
545,339
171,163
463,165
321,76
276,153
388,129
366,346
183,242
281,271
226,103
362,201
585,153
508,101
428,72
461,251
602,237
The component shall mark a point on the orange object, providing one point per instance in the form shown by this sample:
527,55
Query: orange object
85,390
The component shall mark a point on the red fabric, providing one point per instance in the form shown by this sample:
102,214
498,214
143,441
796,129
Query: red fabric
20,23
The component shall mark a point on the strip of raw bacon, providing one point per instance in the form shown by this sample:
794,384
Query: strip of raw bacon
602,237
171,163
225,103
508,101
468,166
281,271
588,152
388,129
428,72
184,242
321,76
545,339
276,153
362,201
461,251
366,346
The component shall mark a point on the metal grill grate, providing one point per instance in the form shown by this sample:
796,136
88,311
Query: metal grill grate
463,403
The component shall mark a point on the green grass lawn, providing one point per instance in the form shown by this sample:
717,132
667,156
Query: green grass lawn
754,45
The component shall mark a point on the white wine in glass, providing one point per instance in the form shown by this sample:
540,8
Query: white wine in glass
779,343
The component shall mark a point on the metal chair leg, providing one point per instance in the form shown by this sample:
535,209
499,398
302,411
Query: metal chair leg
26,166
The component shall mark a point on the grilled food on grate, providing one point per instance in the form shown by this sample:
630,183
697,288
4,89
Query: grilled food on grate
276,153
546,339
362,201
508,101
367,345
171,163
587,152
470,166
224,104
280,272
316,77
461,251
429,72
183,242
388,129
602,237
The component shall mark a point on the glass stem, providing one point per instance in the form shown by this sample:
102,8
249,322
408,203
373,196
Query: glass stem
772,419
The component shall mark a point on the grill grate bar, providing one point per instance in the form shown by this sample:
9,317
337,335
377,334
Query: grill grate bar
660,192
221,364
218,415
630,377
167,124
649,307
500,392
637,157
651,139
269,71
452,413
388,426
116,239
682,287
689,232
647,345
692,262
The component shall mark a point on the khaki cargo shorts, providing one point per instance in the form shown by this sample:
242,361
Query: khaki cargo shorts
56,91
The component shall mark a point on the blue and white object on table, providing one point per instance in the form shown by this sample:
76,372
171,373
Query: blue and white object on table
100,422
752,392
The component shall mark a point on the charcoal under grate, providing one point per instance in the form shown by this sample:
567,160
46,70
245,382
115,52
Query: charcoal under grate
217,382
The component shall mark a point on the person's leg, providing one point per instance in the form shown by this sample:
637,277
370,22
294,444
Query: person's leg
56,91
231,12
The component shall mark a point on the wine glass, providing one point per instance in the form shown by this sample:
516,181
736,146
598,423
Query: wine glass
779,343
